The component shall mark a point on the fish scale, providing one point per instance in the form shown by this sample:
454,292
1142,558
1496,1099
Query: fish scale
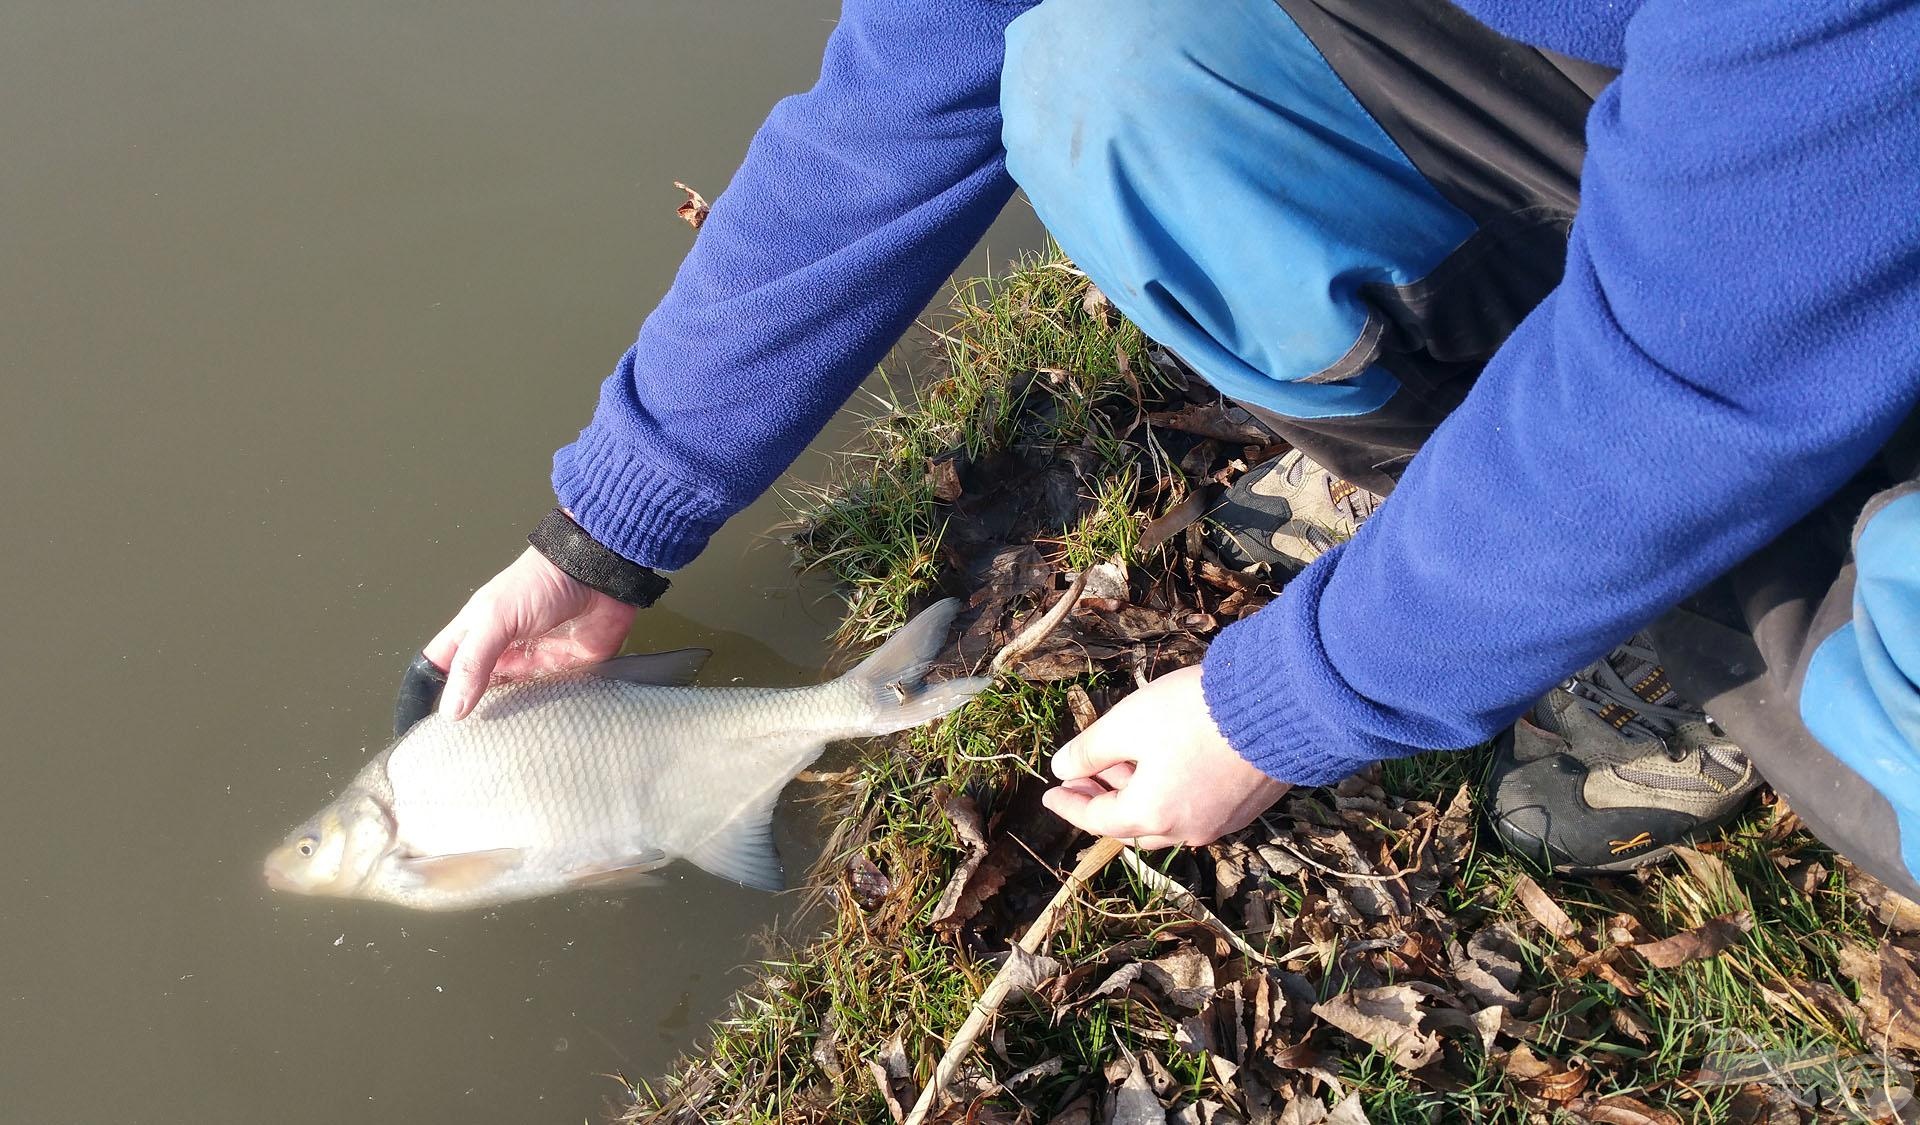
595,776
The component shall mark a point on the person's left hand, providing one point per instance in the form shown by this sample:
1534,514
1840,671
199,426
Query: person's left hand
1156,771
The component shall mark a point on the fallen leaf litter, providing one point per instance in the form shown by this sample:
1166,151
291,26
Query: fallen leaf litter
1259,968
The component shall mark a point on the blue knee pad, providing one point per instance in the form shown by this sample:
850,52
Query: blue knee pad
1861,694
1222,186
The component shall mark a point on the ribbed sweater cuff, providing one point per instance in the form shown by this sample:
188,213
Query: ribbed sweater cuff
631,506
1253,678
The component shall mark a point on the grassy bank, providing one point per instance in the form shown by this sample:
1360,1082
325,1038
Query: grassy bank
1365,953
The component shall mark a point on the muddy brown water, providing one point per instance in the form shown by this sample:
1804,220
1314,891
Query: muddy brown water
295,302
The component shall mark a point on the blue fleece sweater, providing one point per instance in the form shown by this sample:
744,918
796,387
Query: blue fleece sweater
1737,332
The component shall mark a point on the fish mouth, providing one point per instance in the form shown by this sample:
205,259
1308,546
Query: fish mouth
278,878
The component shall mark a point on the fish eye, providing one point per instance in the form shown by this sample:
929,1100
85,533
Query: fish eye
305,847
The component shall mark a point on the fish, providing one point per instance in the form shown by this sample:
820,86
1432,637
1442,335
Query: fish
595,777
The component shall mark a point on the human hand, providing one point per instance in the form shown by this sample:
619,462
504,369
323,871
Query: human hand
1156,771
530,618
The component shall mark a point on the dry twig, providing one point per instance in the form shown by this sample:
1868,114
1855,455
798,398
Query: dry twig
1189,904
985,1008
1016,649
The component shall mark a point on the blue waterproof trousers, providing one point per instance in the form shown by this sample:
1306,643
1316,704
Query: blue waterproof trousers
1334,211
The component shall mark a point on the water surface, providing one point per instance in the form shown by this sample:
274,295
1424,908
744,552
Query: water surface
296,301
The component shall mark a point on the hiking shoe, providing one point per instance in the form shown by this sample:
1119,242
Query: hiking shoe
1287,512
1613,768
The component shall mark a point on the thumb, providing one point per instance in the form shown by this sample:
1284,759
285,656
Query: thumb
1097,748
472,666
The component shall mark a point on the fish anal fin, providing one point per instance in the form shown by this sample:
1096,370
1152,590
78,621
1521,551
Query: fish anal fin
626,871
742,850
462,871
668,669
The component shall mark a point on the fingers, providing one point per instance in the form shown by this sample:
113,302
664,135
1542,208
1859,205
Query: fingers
1107,813
471,664
440,649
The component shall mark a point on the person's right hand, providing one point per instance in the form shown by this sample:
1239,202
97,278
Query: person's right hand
531,618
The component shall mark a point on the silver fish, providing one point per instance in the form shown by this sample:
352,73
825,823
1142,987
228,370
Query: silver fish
594,777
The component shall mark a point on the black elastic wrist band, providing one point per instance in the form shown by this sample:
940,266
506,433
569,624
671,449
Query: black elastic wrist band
568,546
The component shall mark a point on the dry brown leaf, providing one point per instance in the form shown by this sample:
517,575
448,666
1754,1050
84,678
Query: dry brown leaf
1026,972
1095,304
1212,420
1556,922
1709,939
1080,705
1487,968
1487,1023
1012,573
894,1075
695,209
1233,864
961,900
1808,878
1895,911
1817,1002
1899,984
1714,877
1046,1068
869,884
1107,582
1386,1018
1079,1111
1548,1079
1303,1111
1619,1109
1630,1023
1134,1102
1184,977
1546,911
1887,1021
1171,522
1763,1103
943,476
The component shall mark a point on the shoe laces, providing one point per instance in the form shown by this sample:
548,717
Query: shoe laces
1350,500
1655,711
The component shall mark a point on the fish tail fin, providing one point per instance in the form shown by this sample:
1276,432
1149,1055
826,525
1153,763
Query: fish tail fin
892,679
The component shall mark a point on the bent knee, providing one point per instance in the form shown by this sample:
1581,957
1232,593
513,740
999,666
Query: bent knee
1081,73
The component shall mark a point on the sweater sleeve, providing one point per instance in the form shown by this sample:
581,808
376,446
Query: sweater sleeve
856,199
1737,333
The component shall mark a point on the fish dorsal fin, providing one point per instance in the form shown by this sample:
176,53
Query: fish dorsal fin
462,871
671,669
742,850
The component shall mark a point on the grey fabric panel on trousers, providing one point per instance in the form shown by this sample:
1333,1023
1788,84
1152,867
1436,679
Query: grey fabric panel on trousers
1789,597
1497,126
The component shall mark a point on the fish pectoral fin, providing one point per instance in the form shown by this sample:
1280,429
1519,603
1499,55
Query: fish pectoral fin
626,871
462,871
671,669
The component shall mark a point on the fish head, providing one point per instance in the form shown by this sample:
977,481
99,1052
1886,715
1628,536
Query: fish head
336,852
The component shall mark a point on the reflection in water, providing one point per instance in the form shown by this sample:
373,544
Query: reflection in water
297,299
